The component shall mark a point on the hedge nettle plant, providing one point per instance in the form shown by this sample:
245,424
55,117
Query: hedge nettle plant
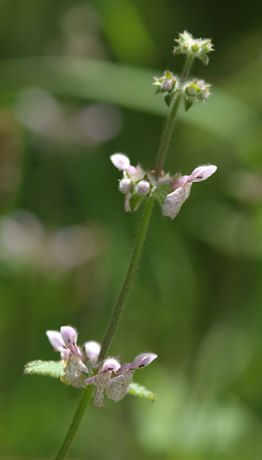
90,366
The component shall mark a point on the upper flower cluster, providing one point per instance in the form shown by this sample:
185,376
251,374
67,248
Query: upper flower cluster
195,47
110,375
172,192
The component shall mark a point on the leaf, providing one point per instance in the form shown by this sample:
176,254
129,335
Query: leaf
140,391
188,103
50,368
168,98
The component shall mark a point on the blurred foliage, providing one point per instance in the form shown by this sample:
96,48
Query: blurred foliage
76,86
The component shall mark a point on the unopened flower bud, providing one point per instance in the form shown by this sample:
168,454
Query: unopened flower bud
168,84
142,187
125,185
92,350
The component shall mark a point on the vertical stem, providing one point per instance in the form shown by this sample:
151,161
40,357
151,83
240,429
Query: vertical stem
168,131
129,278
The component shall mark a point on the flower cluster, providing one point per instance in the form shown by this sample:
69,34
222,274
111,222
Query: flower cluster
195,47
135,184
172,192
109,376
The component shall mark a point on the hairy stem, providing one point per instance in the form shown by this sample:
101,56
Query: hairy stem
129,278
170,124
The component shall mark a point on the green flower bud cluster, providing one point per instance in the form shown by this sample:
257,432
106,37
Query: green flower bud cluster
195,47
196,90
167,84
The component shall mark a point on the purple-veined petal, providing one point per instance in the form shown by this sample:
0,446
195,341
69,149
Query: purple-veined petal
202,173
110,365
143,360
92,350
56,340
175,199
69,335
120,161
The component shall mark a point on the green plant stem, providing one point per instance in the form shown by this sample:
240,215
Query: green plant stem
128,281
170,124
75,424
129,278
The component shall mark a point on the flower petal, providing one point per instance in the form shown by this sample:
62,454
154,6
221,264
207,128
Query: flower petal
56,340
69,335
110,365
120,161
175,199
143,360
202,173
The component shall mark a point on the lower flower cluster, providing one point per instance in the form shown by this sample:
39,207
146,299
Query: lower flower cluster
110,376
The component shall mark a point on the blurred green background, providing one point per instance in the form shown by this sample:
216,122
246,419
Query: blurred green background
76,86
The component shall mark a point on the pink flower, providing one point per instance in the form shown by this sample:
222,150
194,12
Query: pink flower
102,379
74,366
119,385
181,187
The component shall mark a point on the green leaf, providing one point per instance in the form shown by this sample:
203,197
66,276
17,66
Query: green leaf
188,103
140,391
168,98
50,368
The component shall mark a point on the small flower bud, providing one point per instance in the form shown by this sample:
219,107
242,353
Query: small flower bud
142,187
166,83
92,350
125,185
197,90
